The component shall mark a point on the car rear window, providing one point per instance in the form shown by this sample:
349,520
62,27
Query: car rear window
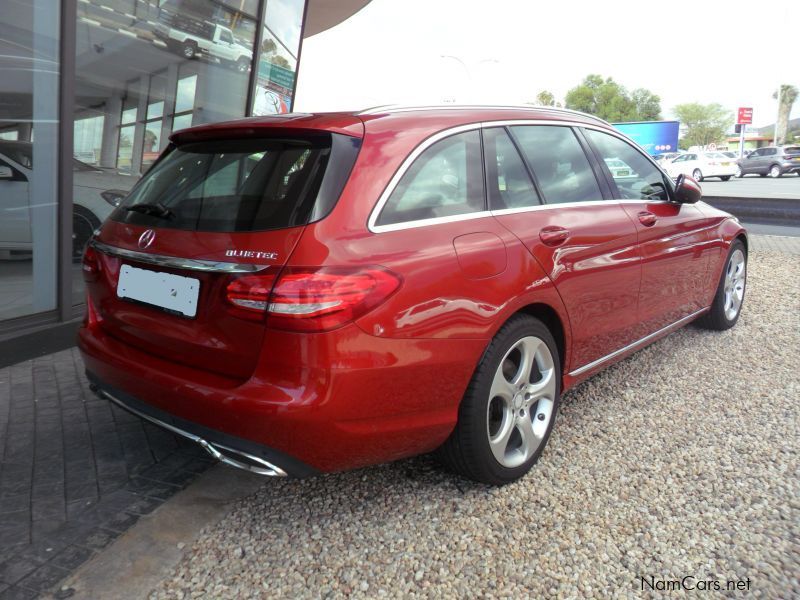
792,150
242,185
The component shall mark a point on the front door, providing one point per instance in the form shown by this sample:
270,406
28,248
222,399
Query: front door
554,204
673,238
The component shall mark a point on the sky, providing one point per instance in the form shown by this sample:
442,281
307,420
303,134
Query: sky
507,51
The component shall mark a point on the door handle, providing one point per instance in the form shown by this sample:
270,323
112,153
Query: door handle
553,236
647,218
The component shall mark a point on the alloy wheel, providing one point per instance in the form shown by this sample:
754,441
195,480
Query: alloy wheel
521,402
735,275
775,171
738,171
697,175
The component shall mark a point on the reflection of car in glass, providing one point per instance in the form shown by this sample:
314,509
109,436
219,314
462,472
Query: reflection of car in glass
770,160
313,293
701,165
217,42
619,169
96,192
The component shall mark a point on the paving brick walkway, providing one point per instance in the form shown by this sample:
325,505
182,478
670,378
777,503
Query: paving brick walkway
75,472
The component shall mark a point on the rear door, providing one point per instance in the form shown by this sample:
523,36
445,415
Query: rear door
548,195
187,254
673,237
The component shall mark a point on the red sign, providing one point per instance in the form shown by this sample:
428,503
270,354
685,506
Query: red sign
745,116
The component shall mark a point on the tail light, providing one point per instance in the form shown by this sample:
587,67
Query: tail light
311,299
91,265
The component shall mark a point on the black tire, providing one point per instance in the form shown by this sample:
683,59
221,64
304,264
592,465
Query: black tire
697,174
84,223
189,50
775,171
725,177
242,65
467,450
716,318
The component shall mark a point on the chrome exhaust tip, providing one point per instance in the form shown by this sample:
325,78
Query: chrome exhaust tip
224,454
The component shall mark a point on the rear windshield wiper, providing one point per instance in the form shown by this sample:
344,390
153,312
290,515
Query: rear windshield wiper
156,209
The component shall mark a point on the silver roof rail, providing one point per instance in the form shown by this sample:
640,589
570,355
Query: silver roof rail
376,110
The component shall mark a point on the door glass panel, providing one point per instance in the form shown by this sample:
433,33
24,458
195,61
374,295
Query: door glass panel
140,74
507,179
29,85
634,175
558,162
277,65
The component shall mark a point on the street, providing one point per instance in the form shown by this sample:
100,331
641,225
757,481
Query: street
753,186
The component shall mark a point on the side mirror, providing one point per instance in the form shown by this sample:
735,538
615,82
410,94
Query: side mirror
6,172
687,190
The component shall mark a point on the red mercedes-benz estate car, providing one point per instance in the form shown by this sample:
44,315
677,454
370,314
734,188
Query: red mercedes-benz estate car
316,292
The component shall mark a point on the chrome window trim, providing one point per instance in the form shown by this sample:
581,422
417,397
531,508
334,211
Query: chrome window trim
427,142
176,262
634,345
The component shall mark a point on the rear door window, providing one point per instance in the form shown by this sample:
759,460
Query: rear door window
445,180
508,184
559,163
231,186
634,176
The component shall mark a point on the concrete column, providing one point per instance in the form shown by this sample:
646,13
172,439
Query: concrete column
110,141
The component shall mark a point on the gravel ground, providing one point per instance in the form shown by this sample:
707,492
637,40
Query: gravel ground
681,460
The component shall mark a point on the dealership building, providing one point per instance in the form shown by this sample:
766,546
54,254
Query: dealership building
90,91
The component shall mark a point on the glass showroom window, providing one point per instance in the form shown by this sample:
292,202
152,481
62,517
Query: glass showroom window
144,70
29,86
277,66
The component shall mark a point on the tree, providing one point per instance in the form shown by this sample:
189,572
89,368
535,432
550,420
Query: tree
705,123
545,98
787,99
268,46
280,61
609,100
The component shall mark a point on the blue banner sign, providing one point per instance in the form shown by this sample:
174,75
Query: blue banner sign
655,137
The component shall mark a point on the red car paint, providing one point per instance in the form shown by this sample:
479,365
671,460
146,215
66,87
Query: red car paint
388,384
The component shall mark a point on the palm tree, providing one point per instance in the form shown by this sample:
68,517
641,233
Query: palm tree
788,94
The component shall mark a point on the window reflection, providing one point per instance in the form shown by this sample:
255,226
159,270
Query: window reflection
277,67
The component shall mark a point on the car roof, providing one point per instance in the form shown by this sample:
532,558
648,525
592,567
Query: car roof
383,118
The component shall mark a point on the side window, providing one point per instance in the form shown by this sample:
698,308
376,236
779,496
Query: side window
444,181
508,184
634,175
771,151
558,162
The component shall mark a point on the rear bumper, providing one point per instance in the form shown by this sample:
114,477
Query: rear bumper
315,403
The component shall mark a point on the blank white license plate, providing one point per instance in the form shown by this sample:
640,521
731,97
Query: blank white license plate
164,290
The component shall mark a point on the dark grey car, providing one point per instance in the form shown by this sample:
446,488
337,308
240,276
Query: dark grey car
773,161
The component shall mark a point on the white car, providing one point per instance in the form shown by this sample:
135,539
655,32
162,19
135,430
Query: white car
95,194
701,165
620,169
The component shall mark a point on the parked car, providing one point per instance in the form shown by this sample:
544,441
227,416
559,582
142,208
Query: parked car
217,41
96,192
771,160
666,157
701,165
312,293
619,169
